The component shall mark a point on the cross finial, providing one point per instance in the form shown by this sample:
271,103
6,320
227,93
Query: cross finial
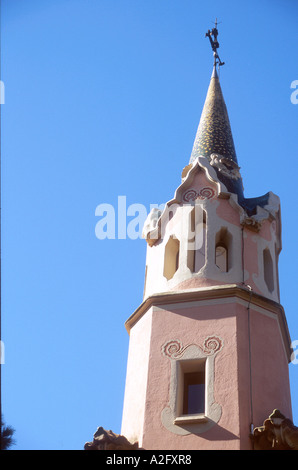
214,43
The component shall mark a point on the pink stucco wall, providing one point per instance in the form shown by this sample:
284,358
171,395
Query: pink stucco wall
270,382
136,379
250,371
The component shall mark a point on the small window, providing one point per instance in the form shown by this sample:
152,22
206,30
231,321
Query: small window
194,393
191,386
223,250
268,270
171,259
191,389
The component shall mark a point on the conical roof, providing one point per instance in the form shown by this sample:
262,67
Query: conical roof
214,139
214,133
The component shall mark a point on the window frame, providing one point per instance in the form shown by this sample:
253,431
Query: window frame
182,359
185,367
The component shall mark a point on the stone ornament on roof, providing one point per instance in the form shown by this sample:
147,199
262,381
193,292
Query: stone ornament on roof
226,166
108,440
277,433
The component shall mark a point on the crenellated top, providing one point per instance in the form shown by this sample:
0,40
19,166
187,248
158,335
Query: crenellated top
204,237
209,234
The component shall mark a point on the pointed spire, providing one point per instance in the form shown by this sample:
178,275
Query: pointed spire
214,133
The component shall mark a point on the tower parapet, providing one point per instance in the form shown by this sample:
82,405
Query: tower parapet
209,233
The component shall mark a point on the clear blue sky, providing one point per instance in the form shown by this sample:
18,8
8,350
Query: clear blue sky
103,99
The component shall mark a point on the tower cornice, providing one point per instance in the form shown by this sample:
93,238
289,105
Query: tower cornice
229,291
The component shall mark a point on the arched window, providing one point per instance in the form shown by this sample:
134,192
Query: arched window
223,250
171,259
268,269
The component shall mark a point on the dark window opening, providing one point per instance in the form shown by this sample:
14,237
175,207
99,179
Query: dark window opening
268,270
223,250
194,392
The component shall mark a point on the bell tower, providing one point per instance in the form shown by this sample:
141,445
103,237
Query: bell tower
209,345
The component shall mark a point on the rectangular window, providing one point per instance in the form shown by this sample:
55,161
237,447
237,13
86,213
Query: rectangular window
191,391
194,393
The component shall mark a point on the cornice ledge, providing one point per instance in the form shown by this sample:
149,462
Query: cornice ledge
214,292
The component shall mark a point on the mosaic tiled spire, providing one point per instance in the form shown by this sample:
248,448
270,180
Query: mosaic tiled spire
214,137
214,133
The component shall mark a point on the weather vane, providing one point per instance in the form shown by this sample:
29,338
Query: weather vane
214,44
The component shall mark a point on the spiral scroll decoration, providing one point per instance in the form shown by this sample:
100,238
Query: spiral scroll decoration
174,348
206,193
212,344
190,195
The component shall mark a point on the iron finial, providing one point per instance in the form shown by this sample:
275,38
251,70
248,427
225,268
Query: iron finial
214,44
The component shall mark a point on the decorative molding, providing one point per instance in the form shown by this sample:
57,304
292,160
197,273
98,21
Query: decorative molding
206,193
174,349
192,194
171,418
184,194
201,163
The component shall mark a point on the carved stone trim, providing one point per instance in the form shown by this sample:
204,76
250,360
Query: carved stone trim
178,354
174,348
226,166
